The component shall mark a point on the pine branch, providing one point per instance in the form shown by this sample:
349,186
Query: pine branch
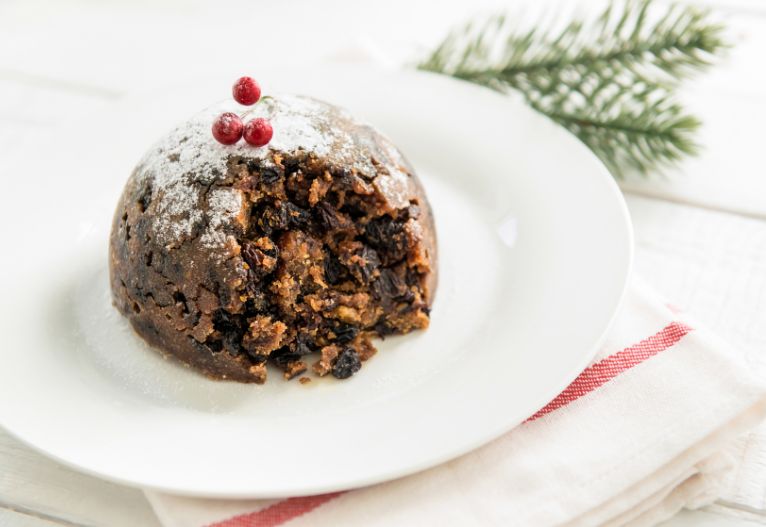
609,80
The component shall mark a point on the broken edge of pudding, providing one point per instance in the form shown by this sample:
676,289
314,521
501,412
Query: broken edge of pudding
296,254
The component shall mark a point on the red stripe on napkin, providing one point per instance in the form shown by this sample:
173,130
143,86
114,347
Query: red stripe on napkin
278,513
591,378
607,369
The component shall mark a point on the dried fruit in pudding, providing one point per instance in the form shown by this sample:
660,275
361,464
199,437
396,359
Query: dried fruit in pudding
294,254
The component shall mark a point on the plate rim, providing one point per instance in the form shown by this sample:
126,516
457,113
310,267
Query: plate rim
465,447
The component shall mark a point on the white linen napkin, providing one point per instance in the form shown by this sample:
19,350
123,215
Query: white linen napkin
645,430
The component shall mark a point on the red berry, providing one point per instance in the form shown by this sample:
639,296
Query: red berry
227,128
258,132
246,91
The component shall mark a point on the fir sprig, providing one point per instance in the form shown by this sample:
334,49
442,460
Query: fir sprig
609,80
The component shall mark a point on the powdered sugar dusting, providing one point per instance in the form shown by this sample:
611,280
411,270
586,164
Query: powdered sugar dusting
178,206
189,162
297,128
224,204
397,187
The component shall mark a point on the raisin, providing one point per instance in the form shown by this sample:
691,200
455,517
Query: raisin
304,344
346,364
383,330
389,286
362,263
345,333
256,358
388,237
329,217
225,322
272,251
233,344
297,217
354,207
283,356
214,345
334,271
291,166
256,259
251,254
412,277
379,229
271,218
269,176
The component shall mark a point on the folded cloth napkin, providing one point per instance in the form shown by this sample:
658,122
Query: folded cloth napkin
644,431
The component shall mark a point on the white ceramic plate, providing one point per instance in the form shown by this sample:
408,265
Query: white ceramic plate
535,249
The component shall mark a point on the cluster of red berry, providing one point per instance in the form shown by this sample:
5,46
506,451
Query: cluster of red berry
228,127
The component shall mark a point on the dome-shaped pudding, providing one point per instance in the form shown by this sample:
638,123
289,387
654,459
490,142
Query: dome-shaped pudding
295,253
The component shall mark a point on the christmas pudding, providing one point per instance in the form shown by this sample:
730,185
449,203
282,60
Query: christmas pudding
291,240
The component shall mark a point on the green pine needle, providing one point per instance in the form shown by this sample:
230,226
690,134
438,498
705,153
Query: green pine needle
609,80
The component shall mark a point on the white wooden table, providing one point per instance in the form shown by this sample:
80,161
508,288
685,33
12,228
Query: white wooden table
701,232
